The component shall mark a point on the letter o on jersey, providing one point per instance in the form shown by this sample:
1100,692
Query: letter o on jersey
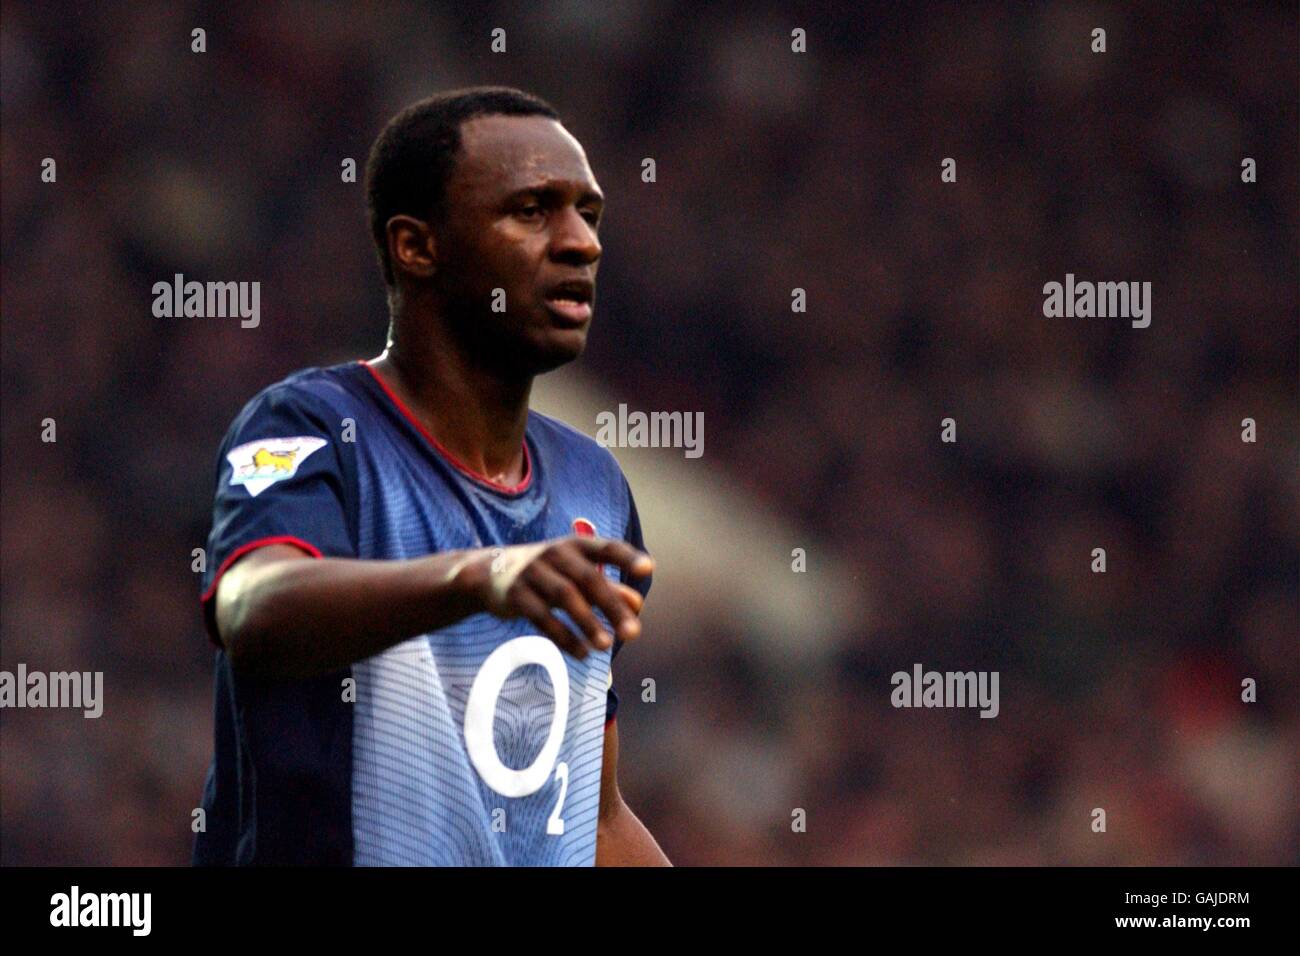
480,711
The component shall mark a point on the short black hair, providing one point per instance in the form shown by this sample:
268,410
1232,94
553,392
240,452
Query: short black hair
415,153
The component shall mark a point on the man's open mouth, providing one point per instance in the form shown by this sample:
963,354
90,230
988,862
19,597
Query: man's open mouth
571,300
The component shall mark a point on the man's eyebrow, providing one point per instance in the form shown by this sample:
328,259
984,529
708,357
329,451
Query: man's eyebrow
554,191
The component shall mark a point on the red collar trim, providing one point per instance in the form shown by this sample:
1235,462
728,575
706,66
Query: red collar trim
468,472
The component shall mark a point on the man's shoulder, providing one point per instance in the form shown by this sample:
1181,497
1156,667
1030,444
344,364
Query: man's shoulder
313,390
573,445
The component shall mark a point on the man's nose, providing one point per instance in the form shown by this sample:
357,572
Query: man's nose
573,239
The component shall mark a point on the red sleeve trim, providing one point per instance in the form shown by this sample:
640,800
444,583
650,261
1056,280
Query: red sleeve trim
243,549
234,556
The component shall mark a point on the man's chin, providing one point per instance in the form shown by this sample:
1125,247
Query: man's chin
556,348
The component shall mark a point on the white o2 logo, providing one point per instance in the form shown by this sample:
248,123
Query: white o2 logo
480,710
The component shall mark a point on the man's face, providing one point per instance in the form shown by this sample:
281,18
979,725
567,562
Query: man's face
522,213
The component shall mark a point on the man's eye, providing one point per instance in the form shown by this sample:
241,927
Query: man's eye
591,217
529,212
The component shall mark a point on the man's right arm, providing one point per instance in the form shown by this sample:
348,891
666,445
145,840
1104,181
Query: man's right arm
281,613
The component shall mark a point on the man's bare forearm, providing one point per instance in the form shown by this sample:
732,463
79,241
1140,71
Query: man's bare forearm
282,614
297,618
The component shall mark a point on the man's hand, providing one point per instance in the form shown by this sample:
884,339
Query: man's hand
532,580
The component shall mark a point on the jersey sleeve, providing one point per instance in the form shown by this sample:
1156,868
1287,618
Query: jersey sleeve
284,476
632,535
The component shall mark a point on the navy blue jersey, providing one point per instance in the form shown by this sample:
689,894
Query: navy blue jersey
479,744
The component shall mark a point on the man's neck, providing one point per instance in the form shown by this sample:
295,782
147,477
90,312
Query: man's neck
477,416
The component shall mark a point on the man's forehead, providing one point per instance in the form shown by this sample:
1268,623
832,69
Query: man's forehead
511,152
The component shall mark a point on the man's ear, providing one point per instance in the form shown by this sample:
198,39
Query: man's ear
411,247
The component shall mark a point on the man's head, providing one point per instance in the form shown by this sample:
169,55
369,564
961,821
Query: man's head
482,189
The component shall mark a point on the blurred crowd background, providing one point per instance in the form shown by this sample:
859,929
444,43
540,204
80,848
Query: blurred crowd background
775,170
